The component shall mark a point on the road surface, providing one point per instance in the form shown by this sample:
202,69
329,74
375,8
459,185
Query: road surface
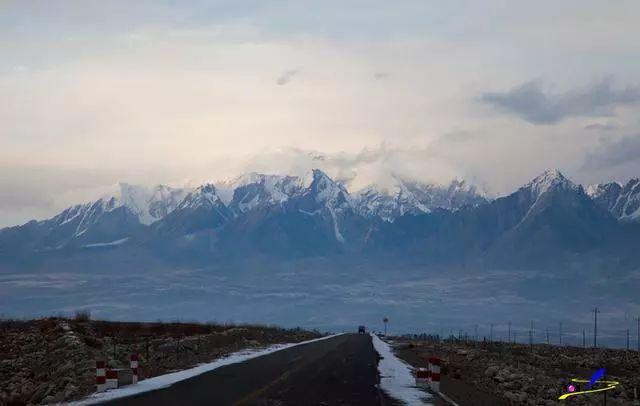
336,371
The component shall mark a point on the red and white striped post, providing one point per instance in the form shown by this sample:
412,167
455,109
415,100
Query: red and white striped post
112,379
434,369
422,377
134,368
101,383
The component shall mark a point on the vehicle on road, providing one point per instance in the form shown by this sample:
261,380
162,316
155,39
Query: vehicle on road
362,329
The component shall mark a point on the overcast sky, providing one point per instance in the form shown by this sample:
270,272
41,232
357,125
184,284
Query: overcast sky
96,92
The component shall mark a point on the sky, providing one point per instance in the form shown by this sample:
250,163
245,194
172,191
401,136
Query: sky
183,92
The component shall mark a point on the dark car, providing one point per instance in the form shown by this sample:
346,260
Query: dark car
362,329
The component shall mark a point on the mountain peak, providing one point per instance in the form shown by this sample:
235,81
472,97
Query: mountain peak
324,187
203,195
206,188
551,179
324,192
319,175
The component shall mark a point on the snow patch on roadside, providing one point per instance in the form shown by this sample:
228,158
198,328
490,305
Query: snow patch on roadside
396,378
164,381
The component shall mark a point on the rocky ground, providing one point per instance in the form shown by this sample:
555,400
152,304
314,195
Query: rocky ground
53,360
517,374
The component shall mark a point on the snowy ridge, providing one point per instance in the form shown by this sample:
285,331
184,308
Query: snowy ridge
90,213
629,201
551,179
406,197
329,193
325,193
623,201
146,204
204,195
255,190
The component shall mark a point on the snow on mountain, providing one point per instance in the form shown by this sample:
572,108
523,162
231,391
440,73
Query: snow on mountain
326,192
201,209
406,197
164,200
388,204
324,195
622,201
83,216
255,190
146,205
204,195
551,179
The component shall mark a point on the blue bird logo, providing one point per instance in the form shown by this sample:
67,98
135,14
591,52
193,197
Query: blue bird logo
596,375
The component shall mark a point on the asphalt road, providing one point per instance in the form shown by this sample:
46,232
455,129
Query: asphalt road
336,371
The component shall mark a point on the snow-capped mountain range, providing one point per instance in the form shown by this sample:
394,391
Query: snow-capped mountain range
258,191
289,216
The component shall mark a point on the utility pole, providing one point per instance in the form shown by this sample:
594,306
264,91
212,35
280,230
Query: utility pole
560,333
627,339
547,335
584,339
531,336
385,321
638,320
515,336
476,332
491,334
595,327
509,340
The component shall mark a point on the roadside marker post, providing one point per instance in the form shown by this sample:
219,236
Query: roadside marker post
134,368
112,379
101,382
434,375
422,377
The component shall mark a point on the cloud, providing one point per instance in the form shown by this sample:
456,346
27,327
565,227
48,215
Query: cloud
381,75
359,169
601,127
530,102
287,76
616,153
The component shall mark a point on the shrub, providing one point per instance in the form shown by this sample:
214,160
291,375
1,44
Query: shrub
82,315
